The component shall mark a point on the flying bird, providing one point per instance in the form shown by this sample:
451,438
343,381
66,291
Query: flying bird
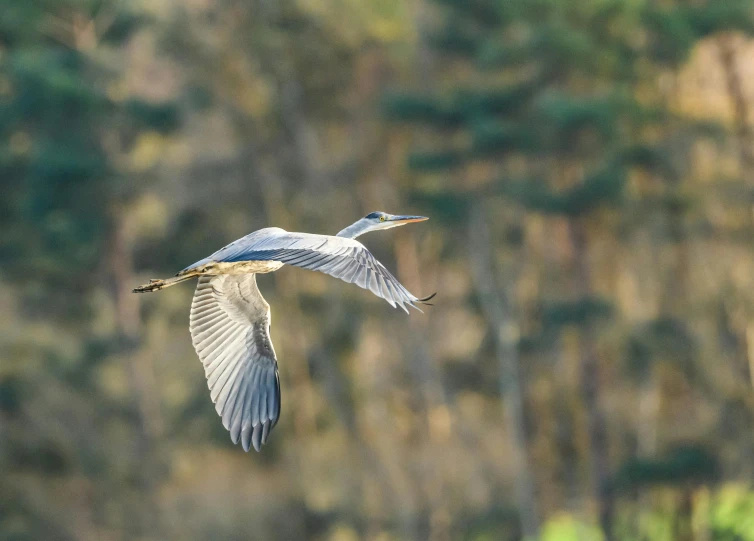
230,320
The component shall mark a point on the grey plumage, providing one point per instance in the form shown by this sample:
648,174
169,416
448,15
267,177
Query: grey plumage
340,257
230,326
230,320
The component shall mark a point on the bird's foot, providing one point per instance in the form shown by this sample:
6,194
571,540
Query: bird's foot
153,285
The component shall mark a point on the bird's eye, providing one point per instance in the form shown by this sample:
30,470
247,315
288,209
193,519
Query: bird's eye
382,218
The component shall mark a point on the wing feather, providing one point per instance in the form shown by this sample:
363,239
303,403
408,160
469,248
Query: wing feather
235,412
230,332
340,257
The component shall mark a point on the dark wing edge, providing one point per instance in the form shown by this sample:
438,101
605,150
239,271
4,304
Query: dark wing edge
229,325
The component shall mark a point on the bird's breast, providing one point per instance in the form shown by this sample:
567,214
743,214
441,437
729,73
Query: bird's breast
245,267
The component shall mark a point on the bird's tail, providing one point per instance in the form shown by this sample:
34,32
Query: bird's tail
156,285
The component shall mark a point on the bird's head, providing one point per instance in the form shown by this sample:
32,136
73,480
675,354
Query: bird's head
375,221
383,220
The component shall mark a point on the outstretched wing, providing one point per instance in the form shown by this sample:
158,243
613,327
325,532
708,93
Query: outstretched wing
230,330
340,257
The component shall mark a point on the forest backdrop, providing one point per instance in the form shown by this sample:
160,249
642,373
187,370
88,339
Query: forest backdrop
587,371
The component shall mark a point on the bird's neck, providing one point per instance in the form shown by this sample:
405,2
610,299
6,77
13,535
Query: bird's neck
354,230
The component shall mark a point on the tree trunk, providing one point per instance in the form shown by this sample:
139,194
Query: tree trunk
745,136
433,419
498,310
740,109
140,370
590,388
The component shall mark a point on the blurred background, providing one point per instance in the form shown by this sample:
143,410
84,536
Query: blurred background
587,371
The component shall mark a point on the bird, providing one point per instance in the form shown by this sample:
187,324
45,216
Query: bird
230,320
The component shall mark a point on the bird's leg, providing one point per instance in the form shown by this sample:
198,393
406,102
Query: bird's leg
152,285
157,284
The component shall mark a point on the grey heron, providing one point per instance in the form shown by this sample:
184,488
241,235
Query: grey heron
230,320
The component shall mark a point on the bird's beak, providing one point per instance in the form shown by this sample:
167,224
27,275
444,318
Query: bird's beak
399,220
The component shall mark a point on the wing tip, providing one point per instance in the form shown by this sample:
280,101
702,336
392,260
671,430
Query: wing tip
254,437
246,436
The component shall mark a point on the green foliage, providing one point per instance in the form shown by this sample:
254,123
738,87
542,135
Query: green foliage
580,312
161,117
673,31
671,35
498,100
722,16
462,106
60,178
123,26
492,137
455,39
11,391
650,158
435,161
682,465
566,116
407,107
565,527
603,187
481,13
494,54
732,516
449,208
662,340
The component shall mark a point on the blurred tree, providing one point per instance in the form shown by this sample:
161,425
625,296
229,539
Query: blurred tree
68,132
583,229
283,75
559,111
